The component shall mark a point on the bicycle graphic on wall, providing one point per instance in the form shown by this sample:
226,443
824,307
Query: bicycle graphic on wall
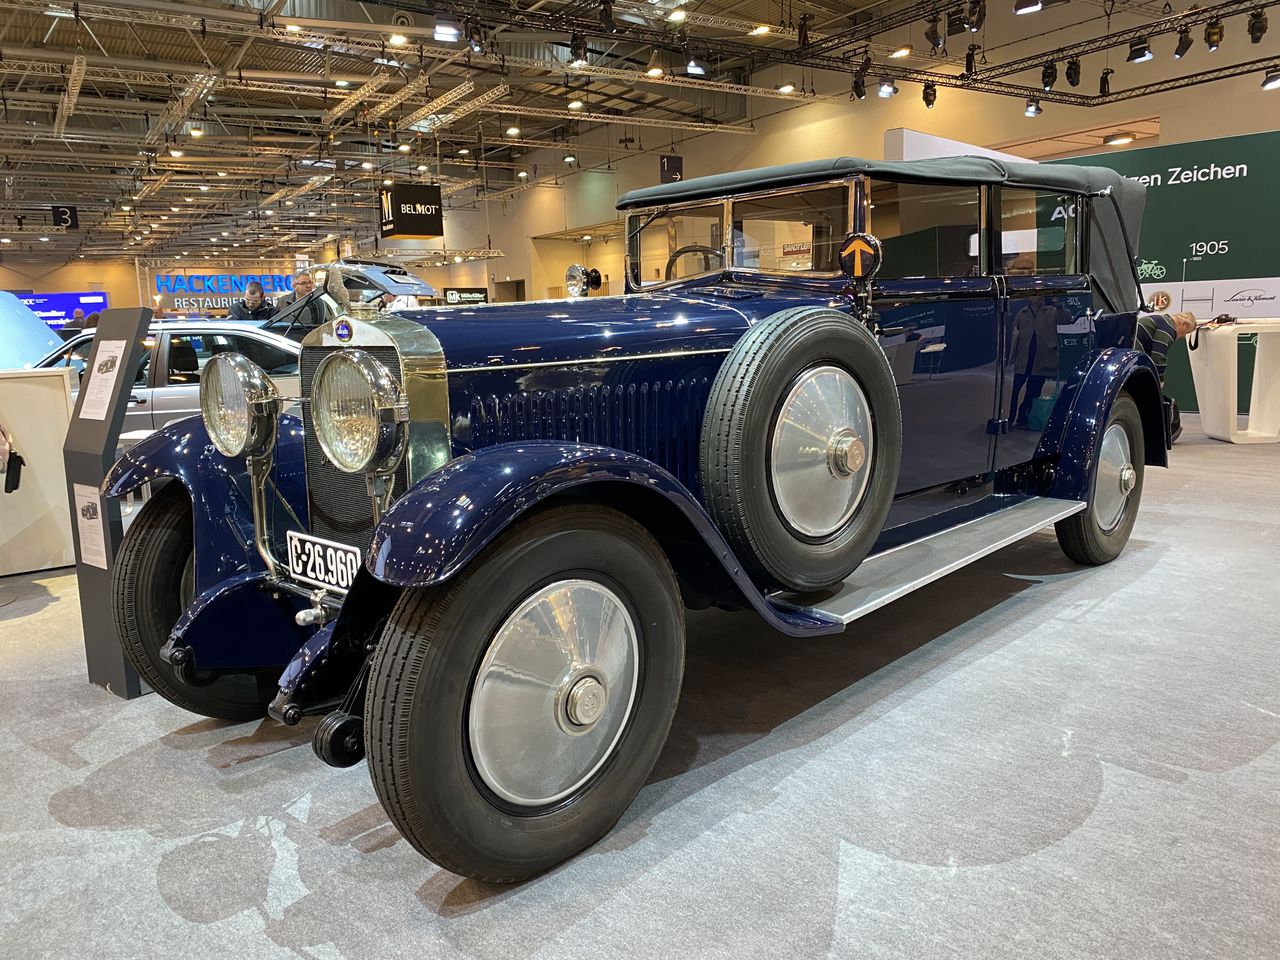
1151,270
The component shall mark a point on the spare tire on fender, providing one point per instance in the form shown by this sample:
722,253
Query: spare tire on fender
801,446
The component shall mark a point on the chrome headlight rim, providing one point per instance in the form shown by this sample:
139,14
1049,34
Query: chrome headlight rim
262,403
390,410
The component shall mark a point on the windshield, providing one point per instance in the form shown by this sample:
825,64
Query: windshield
676,244
793,232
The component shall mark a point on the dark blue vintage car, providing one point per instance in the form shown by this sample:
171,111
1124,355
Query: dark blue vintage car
828,384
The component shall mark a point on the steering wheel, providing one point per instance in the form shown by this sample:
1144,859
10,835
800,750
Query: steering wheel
707,253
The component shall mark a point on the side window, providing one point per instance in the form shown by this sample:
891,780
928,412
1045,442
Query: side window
275,360
189,352
1038,233
76,356
926,229
792,232
144,369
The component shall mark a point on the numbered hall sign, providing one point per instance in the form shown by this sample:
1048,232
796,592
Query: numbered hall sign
66,217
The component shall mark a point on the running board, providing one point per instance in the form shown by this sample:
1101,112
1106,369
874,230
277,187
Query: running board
887,576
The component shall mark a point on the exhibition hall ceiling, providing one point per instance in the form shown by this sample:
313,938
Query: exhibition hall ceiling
268,128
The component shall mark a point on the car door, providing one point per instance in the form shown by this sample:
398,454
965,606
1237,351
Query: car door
938,308
187,351
1046,316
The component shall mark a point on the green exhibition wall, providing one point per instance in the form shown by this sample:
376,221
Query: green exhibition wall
1206,239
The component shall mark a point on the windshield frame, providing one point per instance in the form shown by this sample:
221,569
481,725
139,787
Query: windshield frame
729,263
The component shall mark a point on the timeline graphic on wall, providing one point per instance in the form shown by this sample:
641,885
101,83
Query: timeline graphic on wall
1207,241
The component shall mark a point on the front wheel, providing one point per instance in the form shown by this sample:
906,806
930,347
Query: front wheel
152,583
515,712
1098,534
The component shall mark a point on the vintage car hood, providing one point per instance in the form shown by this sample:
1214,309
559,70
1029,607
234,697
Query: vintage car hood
632,325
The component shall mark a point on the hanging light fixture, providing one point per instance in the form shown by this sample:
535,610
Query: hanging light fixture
887,89
976,15
929,95
1027,6
858,87
1139,51
656,67
1104,82
1073,71
1271,81
1049,75
902,51
971,58
933,36
1214,33
1257,26
1184,43
606,16
1033,107
578,51
786,87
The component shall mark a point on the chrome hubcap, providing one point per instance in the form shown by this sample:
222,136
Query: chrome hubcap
820,462
1116,478
554,692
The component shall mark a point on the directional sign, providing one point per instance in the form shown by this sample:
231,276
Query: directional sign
860,256
66,217
670,168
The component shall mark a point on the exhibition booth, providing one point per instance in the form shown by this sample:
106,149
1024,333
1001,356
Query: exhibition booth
469,473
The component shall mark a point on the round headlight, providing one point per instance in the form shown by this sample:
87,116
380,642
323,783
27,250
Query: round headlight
359,413
240,405
576,282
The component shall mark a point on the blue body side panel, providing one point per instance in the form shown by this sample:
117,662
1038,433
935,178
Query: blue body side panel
442,523
219,490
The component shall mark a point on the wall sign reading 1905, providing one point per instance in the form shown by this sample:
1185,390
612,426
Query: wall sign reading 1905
412,211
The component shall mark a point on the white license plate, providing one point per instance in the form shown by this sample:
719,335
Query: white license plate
322,563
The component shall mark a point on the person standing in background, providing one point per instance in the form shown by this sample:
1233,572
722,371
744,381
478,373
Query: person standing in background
254,306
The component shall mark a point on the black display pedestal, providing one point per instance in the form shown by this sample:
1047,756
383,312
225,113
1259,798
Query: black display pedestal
88,453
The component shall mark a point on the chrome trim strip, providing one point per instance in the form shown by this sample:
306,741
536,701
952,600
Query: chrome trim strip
587,361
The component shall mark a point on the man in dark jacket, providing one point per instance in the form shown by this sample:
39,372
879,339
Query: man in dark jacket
254,306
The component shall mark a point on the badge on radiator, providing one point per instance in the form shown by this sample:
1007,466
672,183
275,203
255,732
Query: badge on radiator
342,330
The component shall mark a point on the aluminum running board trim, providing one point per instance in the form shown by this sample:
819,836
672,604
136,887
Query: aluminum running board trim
895,573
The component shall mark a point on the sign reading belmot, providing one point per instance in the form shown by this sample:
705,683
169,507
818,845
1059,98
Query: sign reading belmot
412,211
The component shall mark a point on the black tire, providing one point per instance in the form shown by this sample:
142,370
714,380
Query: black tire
147,584
1081,536
741,415
423,673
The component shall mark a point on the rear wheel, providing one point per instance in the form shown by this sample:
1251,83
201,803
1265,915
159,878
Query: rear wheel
1098,534
514,713
152,583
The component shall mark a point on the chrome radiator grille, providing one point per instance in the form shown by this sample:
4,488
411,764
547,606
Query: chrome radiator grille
338,501
660,421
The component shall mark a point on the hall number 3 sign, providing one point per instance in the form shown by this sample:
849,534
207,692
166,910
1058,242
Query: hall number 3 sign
66,217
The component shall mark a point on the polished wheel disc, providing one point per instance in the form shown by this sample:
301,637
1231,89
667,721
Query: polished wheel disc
553,692
820,461
1116,478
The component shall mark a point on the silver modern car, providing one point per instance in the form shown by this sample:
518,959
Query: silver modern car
168,384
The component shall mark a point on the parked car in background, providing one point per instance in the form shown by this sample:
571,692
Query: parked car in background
828,384
167,387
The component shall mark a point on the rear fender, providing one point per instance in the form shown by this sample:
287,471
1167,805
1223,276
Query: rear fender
219,490
1074,430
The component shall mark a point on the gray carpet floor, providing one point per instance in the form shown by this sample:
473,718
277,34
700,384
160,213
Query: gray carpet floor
1026,759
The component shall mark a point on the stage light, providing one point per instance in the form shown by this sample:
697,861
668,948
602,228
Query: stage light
887,89
1104,82
1033,108
929,95
1073,71
1214,33
902,51
1049,75
655,68
858,88
695,67
573,105
933,36
786,88
976,15
1027,6
1271,81
1139,52
578,51
1257,26
971,58
1184,43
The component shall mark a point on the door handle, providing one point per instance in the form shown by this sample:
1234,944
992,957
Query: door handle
137,401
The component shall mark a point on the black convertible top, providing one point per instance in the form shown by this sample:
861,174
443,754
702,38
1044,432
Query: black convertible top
1110,257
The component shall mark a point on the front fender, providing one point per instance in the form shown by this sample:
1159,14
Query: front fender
440,525
1074,430
218,486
